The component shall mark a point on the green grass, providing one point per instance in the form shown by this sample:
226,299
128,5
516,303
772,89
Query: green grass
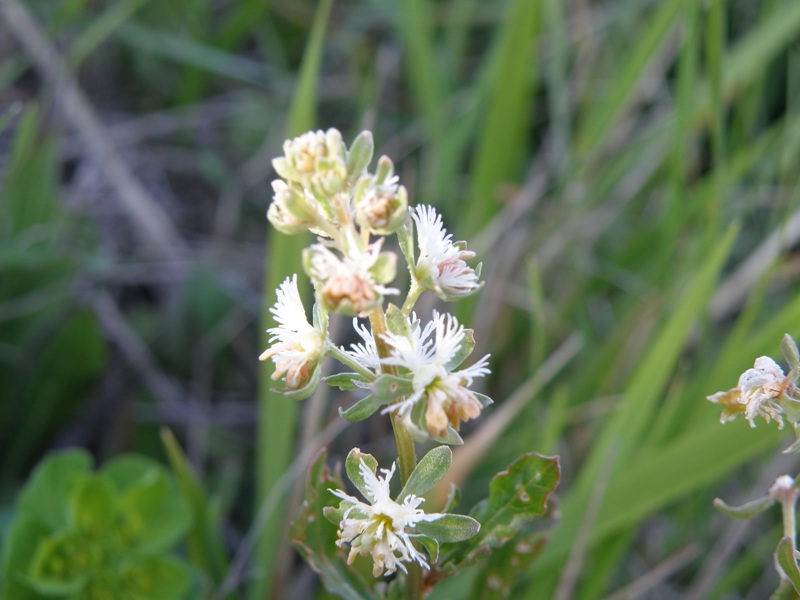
661,142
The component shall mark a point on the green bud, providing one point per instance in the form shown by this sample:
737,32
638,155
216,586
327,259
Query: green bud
360,154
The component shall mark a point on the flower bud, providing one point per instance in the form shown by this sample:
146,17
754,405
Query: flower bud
292,210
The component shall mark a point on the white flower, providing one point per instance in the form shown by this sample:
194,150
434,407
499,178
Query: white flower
429,355
300,346
352,284
381,528
758,393
365,352
441,266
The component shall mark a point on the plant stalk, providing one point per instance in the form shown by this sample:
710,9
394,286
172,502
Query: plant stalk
406,452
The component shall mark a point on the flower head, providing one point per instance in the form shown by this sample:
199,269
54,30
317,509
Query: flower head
316,160
760,392
441,266
297,346
352,284
430,355
384,527
381,204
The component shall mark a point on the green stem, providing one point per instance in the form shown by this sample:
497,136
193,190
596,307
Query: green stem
406,452
789,527
411,299
349,361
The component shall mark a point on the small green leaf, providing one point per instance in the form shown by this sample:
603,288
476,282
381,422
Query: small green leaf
52,482
431,546
428,472
347,382
451,437
353,467
450,528
315,538
388,388
516,496
785,555
453,498
745,511
362,409
405,237
396,322
793,449
483,399
22,541
154,515
93,507
464,350
360,154
384,270
790,353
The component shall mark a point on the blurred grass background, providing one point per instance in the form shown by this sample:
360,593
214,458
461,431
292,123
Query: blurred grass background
627,170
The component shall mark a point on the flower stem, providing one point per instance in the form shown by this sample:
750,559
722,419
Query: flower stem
406,452
349,361
411,299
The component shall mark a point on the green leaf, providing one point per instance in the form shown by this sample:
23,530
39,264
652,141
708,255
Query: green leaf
450,528
315,538
516,496
154,515
21,543
360,154
347,382
790,353
450,437
430,544
464,350
785,554
353,468
744,511
396,322
52,482
158,578
389,388
428,472
362,409
93,507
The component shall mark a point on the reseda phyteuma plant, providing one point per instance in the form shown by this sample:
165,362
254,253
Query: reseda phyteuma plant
409,367
765,391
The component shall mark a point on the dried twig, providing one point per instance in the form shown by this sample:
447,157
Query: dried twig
153,223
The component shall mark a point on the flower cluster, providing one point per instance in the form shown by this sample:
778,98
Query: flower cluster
385,528
759,393
408,368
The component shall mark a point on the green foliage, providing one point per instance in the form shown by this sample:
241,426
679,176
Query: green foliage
78,534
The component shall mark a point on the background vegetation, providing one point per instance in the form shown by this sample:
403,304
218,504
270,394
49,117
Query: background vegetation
627,170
